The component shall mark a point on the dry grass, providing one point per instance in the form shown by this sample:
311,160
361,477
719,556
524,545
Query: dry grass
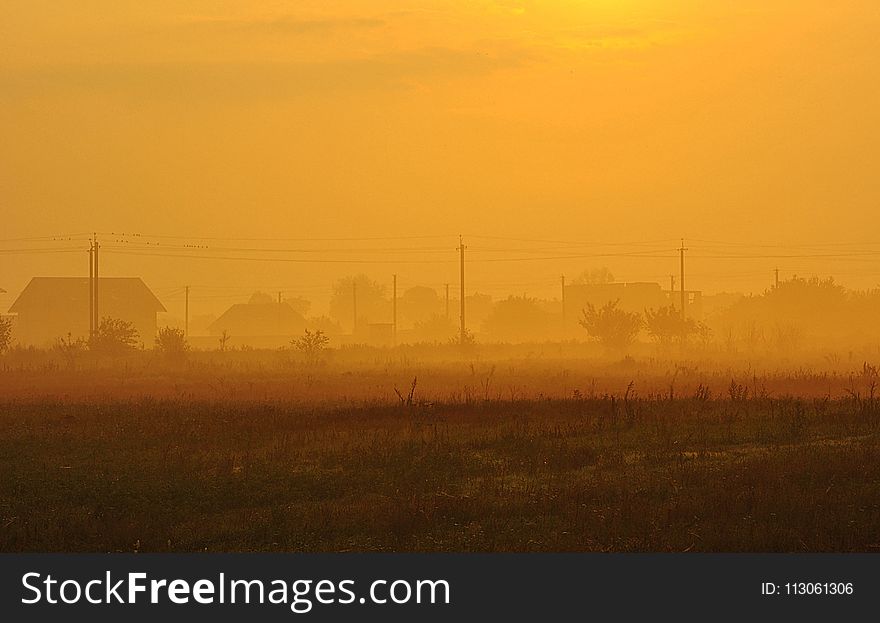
500,456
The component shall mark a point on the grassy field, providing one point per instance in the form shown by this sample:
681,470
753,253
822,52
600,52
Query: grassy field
486,458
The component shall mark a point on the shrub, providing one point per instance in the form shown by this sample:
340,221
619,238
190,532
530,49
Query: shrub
666,326
114,335
311,344
5,334
171,342
70,349
611,326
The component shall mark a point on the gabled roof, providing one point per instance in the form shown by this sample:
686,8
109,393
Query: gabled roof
128,291
259,319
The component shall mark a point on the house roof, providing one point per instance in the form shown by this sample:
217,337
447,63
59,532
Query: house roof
259,319
130,291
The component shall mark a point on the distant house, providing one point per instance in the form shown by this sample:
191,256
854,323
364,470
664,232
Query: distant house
259,318
51,307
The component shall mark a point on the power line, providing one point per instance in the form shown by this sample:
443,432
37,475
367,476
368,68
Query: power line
205,248
573,242
269,239
116,251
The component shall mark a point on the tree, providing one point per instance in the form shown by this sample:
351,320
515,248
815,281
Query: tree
5,334
260,298
470,340
517,318
171,342
593,277
666,325
114,335
798,309
296,303
610,325
419,303
70,349
437,328
372,302
311,344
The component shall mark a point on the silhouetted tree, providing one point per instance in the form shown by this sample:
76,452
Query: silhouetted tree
437,328
592,277
372,302
261,298
5,334
114,335
311,344
610,325
70,349
470,339
171,342
666,325
418,303
516,318
799,309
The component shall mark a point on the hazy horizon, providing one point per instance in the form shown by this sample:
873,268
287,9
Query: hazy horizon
748,129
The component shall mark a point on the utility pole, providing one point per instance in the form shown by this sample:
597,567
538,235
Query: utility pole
278,315
354,300
97,312
777,277
186,312
681,251
461,249
562,278
672,291
394,312
91,289
447,301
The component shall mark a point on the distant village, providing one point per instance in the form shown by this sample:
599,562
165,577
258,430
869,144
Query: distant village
362,311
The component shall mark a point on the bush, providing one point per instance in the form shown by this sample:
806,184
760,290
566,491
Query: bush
611,326
5,334
311,344
114,336
70,349
171,342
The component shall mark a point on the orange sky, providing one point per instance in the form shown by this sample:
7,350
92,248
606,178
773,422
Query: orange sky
751,122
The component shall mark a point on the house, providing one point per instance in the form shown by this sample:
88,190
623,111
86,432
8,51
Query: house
259,318
53,307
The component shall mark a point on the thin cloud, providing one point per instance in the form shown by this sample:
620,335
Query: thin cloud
254,80
283,25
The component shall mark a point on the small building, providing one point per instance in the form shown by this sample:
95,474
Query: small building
259,320
53,307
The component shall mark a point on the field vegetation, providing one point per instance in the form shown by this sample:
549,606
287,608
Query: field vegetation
314,449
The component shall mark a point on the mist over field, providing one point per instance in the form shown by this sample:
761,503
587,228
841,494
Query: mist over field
462,276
